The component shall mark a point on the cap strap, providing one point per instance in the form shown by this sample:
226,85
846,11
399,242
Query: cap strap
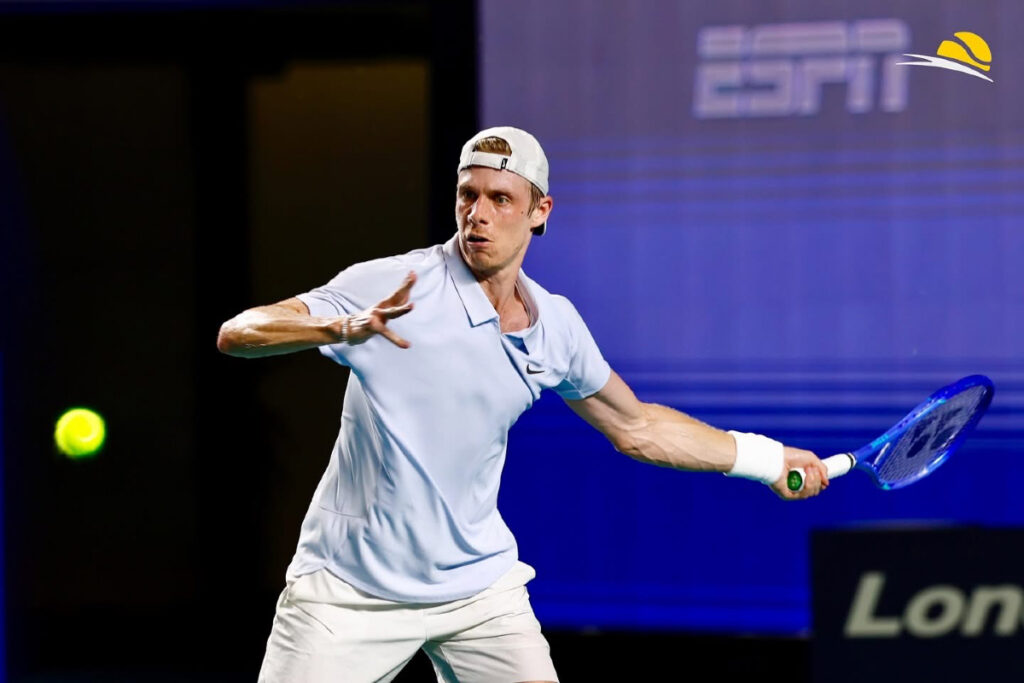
498,161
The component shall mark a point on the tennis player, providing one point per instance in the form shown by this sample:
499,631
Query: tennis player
402,547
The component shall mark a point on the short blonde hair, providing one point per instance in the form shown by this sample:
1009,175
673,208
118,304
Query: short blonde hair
496,145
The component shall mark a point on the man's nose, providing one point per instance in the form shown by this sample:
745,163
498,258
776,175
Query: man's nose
478,212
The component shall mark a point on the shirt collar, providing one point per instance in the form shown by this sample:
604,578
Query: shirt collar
478,306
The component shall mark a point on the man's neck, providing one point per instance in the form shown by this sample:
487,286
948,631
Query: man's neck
500,287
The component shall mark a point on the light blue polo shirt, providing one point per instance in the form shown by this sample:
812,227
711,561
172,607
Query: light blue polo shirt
407,508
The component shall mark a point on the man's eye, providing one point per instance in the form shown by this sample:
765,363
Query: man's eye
503,200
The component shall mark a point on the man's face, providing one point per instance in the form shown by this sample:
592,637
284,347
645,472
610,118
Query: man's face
492,209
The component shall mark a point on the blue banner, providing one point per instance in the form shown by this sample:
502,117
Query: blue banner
796,218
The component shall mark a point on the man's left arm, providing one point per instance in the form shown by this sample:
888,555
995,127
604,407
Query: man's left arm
663,436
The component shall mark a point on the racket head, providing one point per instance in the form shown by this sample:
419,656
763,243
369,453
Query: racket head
919,443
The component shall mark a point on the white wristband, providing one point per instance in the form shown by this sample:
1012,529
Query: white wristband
758,458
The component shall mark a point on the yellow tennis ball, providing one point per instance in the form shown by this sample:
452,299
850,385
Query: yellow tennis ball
80,433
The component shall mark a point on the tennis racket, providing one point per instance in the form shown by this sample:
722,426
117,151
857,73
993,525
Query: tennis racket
920,442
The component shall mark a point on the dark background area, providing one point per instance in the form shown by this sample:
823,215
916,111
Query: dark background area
164,169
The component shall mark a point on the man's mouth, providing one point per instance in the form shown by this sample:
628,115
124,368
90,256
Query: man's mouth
477,239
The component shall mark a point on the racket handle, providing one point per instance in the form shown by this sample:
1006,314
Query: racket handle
836,466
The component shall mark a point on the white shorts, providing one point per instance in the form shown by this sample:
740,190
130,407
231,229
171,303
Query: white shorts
327,631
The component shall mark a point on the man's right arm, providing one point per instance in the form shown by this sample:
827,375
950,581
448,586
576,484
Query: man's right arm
284,327
287,326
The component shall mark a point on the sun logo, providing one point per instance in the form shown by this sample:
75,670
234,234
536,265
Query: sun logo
971,51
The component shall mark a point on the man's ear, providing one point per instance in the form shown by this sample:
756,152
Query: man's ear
540,213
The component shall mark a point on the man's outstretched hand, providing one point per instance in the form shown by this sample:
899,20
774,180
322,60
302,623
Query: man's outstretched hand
374,320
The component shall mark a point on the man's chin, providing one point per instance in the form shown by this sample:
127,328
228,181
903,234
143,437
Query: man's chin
482,265
480,262
476,253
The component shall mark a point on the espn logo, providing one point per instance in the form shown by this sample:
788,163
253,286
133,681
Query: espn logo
781,69
936,611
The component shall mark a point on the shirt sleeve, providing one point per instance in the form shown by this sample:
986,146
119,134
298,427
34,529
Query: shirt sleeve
588,370
352,290
331,299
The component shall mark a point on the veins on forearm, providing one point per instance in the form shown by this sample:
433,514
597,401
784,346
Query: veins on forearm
670,438
264,333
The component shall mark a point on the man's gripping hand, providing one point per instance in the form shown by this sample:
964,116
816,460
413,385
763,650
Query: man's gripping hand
815,473
357,328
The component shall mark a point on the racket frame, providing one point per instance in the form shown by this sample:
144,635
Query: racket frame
867,456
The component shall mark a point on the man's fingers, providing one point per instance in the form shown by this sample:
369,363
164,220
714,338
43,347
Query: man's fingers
394,306
395,311
813,481
395,339
402,293
814,471
378,326
813,484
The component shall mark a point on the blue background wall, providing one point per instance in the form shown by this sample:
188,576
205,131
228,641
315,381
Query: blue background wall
772,226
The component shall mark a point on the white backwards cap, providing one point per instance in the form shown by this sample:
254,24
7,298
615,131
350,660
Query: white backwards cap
527,158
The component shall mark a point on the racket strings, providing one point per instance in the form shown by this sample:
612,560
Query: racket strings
925,444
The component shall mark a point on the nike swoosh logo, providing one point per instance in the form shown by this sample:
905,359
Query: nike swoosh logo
531,371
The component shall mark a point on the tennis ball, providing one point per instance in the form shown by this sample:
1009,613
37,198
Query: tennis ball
80,433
